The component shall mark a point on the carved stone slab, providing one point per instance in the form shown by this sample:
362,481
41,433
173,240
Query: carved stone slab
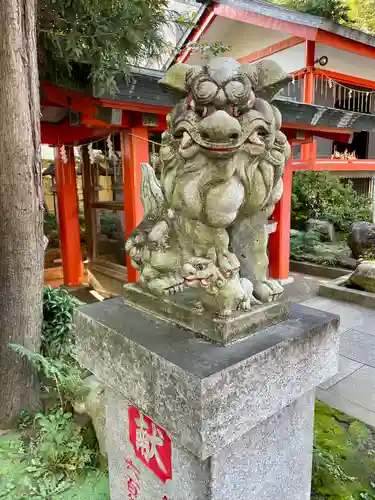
180,309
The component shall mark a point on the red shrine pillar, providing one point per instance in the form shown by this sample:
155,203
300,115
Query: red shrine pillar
279,242
134,147
308,151
68,213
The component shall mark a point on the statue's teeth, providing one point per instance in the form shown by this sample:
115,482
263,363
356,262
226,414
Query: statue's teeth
186,140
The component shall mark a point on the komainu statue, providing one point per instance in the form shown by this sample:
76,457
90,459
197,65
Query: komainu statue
222,159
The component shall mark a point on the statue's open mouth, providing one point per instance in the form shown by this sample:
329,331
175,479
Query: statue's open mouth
190,142
221,149
204,282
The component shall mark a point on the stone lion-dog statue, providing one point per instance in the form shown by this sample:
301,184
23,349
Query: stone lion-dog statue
222,159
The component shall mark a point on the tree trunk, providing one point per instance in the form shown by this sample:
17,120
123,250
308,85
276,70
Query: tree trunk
21,208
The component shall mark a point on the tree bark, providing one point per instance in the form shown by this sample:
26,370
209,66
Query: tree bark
21,208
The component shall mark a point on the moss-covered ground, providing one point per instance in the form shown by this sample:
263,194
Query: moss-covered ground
344,457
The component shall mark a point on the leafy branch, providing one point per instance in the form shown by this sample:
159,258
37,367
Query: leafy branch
93,41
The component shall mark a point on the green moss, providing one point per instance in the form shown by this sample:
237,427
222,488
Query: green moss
344,457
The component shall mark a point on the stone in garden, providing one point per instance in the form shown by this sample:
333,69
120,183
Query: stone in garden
347,262
322,227
361,239
364,276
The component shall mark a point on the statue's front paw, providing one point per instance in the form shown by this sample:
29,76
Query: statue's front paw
268,290
245,305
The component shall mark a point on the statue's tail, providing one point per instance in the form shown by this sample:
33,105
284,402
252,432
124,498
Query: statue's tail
151,193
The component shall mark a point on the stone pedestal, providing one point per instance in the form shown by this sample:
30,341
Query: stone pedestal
191,420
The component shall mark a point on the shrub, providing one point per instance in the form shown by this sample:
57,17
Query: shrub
60,445
57,333
302,243
335,10
109,224
50,223
320,195
55,445
307,246
51,226
62,379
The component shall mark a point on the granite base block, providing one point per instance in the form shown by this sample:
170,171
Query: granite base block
180,309
236,421
272,461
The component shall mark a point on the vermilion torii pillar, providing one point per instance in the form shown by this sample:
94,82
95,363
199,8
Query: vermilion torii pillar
134,147
308,151
68,214
279,241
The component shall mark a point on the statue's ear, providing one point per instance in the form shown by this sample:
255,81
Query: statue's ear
175,78
267,77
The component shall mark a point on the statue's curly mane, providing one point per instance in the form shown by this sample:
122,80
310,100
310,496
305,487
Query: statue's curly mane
261,175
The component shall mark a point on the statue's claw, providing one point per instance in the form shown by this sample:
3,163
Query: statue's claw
268,291
255,302
172,290
198,307
245,305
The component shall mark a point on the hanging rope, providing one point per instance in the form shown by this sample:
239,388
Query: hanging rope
360,101
338,84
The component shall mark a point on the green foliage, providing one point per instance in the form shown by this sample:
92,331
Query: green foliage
55,451
59,376
336,10
96,40
52,464
320,195
358,14
58,310
303,242
209,49
344,464
50,223
307,246
82,227
362,15
59,445
109,223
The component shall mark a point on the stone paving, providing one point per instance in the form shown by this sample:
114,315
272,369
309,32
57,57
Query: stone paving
352,390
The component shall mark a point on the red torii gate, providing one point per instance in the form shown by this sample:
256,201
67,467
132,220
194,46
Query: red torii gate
134,148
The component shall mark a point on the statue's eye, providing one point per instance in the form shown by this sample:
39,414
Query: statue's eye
205,91
262,132
202,111
199,267
237,92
